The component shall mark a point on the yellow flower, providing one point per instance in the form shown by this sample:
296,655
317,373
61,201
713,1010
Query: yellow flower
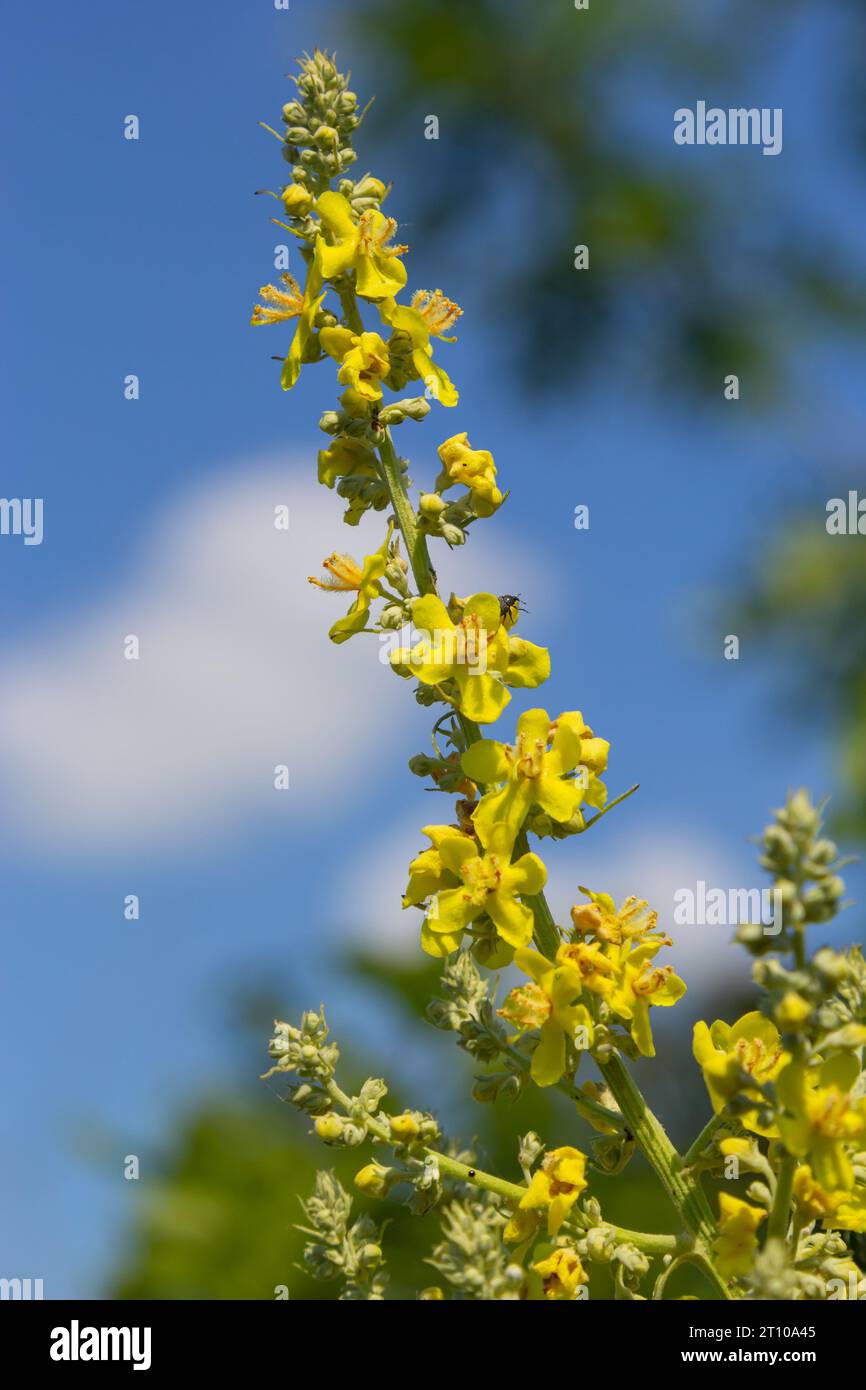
532,770
554,1188
474,468
551,1004
346,458
821,1117
596,971
635,922
477,653
427,872
428,316
363,246
724,1052
291,303
734,1249
363,358
639,986
489,884
344,576
561,1273
850,1214
811,1200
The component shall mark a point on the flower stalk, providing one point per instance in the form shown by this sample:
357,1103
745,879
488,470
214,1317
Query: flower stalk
785,1080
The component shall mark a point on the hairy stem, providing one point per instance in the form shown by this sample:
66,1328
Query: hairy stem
682,1187
413,539
777,1225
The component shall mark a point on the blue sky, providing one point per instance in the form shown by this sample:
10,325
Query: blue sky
145,257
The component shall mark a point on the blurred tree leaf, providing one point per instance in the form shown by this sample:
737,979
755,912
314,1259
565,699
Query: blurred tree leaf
806,606
544,135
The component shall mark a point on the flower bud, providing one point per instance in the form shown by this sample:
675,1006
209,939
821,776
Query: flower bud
430,504
601,1244
405,1128
421,765
499,1086
792,1012
330,422
392,618
612,1152
329,1128
297,200
370,187
453,535
375,1180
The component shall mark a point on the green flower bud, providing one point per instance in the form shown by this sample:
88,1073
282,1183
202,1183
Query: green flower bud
392,618
430,504
500,1086
601,1244
422,764
611,1152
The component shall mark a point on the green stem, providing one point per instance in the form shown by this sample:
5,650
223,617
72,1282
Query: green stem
413,539
682,1187
617,801
695,1257
488,1182
703,1140
647,1241
351,313
512,1192
777,1226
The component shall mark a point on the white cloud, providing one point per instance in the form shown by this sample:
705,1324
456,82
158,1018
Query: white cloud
236,675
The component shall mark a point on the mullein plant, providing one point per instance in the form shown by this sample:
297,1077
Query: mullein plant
786,1135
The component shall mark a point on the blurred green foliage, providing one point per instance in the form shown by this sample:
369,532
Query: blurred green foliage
806,607
218,1219
556,129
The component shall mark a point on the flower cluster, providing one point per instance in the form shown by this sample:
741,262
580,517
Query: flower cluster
790,1074
785,1081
